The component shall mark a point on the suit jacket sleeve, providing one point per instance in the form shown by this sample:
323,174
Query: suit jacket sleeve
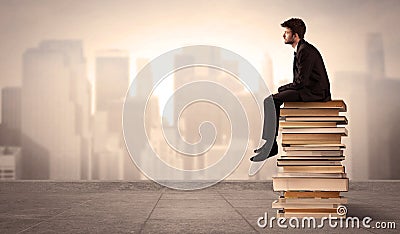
301,77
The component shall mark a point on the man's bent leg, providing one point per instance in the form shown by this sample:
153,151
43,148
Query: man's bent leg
279,99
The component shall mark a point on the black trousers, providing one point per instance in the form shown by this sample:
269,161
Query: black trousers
279,99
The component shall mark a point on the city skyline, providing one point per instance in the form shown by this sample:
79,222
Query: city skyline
359,51
11,101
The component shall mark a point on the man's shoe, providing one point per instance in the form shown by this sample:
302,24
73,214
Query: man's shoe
263,155
260,149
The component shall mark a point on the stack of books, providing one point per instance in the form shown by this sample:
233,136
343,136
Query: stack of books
311,175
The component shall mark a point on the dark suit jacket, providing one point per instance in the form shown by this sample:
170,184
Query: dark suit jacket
309,74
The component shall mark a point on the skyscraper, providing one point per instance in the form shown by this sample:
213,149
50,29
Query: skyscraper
10,131
375,56
111,159
112,78
55,110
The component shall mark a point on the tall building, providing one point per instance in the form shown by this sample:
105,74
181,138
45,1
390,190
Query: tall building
375,56
267,73
373,113
111,160
10,130
10,163
144,84
55,111
352,87
383,128
112,78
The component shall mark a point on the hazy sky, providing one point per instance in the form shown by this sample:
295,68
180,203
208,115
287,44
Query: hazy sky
250,28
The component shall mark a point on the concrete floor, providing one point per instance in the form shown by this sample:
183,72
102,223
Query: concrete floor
146,207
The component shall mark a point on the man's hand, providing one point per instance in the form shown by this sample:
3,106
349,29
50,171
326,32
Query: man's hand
283,88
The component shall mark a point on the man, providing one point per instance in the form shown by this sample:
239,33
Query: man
310,80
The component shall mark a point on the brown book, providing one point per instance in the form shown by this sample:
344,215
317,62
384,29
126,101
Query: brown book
308,138
306,174
333,147
313,200
314,153
288,214
311,158
309,112
337,119
310,184
313,194
285,124
314,169
301,206
331,104
308,163
332,210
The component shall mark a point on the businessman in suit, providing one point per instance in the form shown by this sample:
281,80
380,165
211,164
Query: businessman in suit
310,80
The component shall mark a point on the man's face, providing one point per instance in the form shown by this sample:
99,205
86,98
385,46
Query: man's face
288,36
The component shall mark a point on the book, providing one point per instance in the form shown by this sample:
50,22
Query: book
305,174
320,210
311,175
311,194
308,200
310,184
308,147
298,214
309,206
338,130
287,124
330,104
308,163
311,158
313,169
309,112
314,153
337,119
309,138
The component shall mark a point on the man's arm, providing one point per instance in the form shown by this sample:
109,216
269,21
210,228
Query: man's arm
304,66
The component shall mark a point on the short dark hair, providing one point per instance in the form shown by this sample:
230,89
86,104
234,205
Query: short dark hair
296,25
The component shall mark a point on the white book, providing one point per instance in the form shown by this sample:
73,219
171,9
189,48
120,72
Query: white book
310,184
304,174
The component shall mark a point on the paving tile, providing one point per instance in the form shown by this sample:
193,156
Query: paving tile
191,195
250,203
130,207
203,203
198,226
112,210
90,225
15,225
375,212
195,213
245,195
